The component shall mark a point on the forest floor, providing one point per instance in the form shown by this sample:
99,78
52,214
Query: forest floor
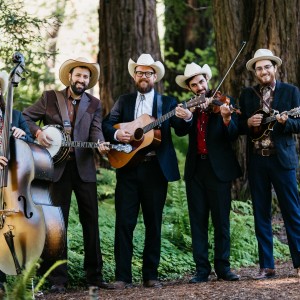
284,286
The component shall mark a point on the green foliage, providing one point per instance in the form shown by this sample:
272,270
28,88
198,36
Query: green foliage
106,188
27,34
22,286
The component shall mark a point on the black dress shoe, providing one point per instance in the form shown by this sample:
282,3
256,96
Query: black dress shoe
100,283
119,285
265,273
198,279
58,288
229,276
152,284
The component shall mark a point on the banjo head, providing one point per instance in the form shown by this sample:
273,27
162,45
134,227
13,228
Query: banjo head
56,150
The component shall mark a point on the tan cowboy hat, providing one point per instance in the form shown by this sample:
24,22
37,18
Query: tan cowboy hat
69,64
147,60
192,70
262,54
3,81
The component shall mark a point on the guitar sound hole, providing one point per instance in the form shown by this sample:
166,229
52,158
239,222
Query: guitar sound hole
138,134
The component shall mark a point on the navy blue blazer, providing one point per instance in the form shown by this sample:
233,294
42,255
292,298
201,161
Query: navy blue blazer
123,111
286,97
219,138
19,121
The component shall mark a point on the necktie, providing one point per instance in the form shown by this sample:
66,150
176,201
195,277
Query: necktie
266,95
140,106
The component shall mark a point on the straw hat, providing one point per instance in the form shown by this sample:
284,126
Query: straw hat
3,81
69,64
262,54
147,60
190,71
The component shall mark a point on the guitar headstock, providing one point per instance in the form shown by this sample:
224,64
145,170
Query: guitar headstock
196,100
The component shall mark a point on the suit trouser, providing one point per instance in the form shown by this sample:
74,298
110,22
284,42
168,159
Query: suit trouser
207,194
263,172
145,186
86,196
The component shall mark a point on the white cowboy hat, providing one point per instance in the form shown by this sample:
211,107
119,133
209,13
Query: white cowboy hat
147,60
190,71
262,54
3,81
70,64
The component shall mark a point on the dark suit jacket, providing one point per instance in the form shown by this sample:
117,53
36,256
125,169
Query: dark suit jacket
123,111
19,121
218,140
87,128
286,97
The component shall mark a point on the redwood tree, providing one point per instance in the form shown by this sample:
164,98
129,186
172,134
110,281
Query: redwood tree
127,29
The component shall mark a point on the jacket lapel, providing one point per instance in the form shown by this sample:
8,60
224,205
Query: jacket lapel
277,95
83,106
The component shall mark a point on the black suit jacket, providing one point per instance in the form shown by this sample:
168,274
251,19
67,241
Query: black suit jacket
220,153
123,111
286,97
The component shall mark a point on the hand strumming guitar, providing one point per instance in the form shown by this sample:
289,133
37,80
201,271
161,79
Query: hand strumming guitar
123,136
255,120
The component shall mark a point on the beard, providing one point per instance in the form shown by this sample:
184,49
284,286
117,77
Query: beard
78,90
144,86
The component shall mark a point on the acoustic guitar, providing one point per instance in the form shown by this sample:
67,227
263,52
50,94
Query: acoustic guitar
145,135
257,133
61,144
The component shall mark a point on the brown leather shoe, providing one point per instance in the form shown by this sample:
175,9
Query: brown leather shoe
119,285
265,274
152,284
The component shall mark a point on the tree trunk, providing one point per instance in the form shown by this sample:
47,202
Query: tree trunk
127,29
271,24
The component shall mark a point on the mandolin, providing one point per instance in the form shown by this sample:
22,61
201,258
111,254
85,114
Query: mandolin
268,121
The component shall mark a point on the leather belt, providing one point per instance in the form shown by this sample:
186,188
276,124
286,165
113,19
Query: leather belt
203,156
264,152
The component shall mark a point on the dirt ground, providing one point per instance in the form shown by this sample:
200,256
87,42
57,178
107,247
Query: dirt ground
284,286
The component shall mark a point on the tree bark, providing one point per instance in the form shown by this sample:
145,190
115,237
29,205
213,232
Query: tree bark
127,29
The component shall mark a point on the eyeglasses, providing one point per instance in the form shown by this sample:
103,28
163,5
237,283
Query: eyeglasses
140,74
260,69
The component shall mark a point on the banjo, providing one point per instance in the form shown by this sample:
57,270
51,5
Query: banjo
61,144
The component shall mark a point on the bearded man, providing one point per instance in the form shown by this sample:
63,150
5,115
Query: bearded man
77,173
144,184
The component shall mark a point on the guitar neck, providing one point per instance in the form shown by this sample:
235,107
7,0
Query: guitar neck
158,121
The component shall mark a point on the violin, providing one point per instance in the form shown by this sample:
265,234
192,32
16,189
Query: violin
218,99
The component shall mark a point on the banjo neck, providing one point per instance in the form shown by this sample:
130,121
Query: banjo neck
78,144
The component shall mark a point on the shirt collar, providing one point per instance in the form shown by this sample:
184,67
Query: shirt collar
148,96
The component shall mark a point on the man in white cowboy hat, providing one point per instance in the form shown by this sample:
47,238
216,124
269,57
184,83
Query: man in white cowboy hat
77,173
19,130
210,167
273,159
144,184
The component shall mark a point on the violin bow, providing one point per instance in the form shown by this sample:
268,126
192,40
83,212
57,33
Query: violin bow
230,67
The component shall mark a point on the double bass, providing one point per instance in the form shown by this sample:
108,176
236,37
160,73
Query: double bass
30,227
